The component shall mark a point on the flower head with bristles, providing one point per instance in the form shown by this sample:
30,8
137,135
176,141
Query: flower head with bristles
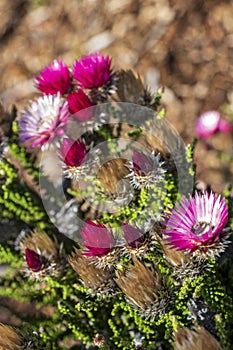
97,239
54,78
43,255
100,244
79,104
145,170
137,242
73,154
43,120
92,71
197,223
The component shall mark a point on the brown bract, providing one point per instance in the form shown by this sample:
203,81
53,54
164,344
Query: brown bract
94,278
197,339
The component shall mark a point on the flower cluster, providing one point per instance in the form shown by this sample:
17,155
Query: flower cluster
67,92
141,259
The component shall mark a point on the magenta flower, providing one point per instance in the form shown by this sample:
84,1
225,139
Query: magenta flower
43,120
97,239
146,170
72,152
54,78
142,163
78,102
209,123
92,71
33,259
133,236
196,222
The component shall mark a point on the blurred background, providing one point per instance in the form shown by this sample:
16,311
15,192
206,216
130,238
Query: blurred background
184,46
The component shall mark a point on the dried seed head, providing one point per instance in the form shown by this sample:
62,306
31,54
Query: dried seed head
144,289
197,339
183,264
111,173
11,339
99,281
131,89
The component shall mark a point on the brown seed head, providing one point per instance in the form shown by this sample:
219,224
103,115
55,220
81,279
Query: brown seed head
130,88
197,339
10,339
139,284
94,278
111,172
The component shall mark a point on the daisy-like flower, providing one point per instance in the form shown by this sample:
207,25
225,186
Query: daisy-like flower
79,103
210,123
92,71
145,170
197,223
54,78
43,120
73,154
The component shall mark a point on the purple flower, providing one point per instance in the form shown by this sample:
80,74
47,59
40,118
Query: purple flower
133,236
92,71
54,78
209,123
78,102
43,120
33,259
97,239
196,222
72,152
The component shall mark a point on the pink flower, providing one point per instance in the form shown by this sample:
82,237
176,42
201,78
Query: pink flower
92,71
33,259
43,120
133,236
78,101
209,123
196,222
72,152
54,78
97,239
142,163
146,170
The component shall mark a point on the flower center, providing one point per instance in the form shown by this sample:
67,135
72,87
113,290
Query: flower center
201,227
46,122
